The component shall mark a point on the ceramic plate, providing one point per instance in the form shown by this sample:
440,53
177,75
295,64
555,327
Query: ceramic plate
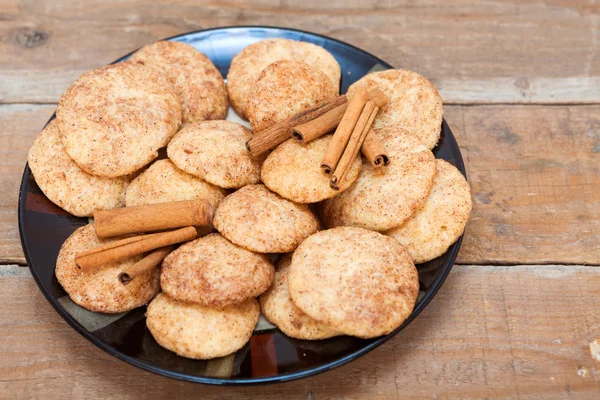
270,356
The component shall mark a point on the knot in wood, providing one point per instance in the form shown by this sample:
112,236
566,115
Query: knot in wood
30,38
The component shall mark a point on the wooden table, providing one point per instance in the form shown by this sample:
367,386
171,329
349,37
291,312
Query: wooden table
521,87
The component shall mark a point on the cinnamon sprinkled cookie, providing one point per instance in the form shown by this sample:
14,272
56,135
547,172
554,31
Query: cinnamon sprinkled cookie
163,182
198,332
357,282
279,309
293,170
414,103
262,221
196,80
65,184
216,152
114,119
100,289
284,89
384,198
214,272
247,65
443,218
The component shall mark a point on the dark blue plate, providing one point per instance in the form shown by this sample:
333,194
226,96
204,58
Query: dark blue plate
270,356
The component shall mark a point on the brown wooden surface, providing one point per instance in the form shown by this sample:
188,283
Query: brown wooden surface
521,86
492,332
535,179
489,51
19,124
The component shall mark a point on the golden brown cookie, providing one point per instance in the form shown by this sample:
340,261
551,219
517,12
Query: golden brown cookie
383,198
355,281
214,272
443,218
216,152
100,289
286,88
414,103
163,182
247,65
259,220
114,119
196,80
276,304
293,170
65,184
193,331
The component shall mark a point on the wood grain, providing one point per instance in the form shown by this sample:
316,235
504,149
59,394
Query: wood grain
19,124
492,332
535,178
534,173
511,51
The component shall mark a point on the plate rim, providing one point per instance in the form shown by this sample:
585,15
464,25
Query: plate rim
147,366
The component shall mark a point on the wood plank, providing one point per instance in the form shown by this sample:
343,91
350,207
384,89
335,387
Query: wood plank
535,178
534,172
22,86
511,51
19,124
491,332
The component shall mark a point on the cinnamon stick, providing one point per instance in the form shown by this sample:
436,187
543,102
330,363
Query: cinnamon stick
373,150
130,249
114,244
340,138
377,97
278,133
359,133
316,128
145,264
152,217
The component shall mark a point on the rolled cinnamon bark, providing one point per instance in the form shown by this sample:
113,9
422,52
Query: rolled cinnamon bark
346,125
278,133
130,249
316,128
340,138
377,97
373,150
359,133
152,217
147,263
117,243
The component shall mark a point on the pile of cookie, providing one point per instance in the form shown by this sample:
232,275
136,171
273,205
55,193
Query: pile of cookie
344,255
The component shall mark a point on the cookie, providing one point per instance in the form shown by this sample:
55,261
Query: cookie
276,304
284,89
259,220
247,65
384,198
293,170
196,80
193,331
65,184
355,281
100,289
441,221
214,272
114,119
216,152
414,103
163,182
